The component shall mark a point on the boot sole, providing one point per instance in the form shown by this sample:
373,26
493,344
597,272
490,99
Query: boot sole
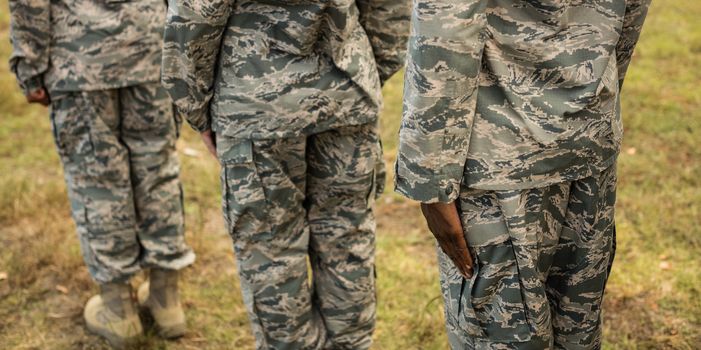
171,332
115,341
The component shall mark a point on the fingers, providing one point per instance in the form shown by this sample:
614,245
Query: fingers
39,96
455,247
457,251
32,97
463,252
462,269
443,220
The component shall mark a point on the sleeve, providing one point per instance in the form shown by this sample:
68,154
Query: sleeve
191,44
636,11
30,34
440,94
386,23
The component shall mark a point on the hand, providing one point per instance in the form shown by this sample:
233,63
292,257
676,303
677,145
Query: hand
210,141
444,222
39,96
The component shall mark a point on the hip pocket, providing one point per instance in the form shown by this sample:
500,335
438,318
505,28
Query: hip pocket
493,300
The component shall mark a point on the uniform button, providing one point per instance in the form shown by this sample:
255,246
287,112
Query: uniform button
449,189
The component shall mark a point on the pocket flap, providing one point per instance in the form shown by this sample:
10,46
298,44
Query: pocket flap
234,151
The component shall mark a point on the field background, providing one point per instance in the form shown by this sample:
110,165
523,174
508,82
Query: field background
654,295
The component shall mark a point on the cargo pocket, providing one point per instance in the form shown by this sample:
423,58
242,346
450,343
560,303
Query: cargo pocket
492,303
243,199
96,204
72,131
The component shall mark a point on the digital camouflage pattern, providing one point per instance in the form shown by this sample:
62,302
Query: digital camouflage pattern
542,259
118,152
512,108
278,68
308,198
512,94
292,92
80,45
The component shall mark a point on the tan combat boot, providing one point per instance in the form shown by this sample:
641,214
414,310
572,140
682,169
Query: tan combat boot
112,314
160,297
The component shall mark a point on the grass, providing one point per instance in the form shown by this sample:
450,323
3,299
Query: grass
654,295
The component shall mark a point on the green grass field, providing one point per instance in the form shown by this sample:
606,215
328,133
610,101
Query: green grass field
654,295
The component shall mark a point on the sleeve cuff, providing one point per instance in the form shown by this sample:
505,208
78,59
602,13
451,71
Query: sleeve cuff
386,71
198,119
426,189
32,84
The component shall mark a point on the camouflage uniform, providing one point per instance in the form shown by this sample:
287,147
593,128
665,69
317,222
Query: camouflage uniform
113,124
508,100
542,258
292,91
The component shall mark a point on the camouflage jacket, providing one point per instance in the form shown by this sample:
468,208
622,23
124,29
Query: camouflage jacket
76,45
512,94
279,68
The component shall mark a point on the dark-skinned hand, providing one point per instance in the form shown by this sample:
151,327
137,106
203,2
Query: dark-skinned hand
444,222
210,141
39,96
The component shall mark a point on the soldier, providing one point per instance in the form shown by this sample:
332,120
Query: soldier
509,138
286,95
97,65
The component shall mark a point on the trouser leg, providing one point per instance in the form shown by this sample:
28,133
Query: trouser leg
542,257
264,184
149,133
97,172
341,185
582,263
503,305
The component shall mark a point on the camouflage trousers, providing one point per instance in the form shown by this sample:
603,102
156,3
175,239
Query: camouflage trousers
542,259
121,169
301,204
